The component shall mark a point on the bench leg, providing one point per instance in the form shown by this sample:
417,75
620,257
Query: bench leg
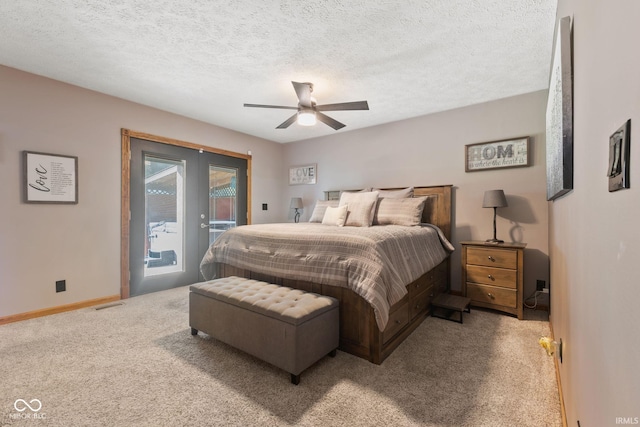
295,379
194,331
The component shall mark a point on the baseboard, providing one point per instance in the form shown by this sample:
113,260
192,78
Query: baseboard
555,360
59,309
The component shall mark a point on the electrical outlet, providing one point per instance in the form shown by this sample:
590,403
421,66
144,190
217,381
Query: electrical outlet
61,285
540,285
264,206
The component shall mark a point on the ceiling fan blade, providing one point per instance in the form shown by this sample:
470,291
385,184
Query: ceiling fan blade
288,122
329,121
271,106
303,90
356,105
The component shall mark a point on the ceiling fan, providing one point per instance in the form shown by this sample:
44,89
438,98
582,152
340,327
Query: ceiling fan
309,111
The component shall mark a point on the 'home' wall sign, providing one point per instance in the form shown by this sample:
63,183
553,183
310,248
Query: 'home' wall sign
508,153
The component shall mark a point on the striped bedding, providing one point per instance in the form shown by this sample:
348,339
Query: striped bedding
375,262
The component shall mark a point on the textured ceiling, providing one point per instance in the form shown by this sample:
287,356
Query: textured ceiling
205,58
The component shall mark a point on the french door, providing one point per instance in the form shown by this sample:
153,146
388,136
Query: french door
181,200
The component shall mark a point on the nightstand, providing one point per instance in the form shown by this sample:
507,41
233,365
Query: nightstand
492,275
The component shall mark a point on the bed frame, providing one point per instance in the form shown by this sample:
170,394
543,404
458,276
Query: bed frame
359,333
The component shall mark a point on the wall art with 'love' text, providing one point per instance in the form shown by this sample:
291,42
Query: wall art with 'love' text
50,178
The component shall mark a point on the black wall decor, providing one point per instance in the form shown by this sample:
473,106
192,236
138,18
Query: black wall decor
559,135
619,145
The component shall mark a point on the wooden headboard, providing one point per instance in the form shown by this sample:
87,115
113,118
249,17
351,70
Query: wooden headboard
437,210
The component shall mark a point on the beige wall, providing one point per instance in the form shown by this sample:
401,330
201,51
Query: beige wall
40,244
80,243
594,235
44,243
429,150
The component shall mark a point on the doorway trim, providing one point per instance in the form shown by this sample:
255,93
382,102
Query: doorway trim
125,192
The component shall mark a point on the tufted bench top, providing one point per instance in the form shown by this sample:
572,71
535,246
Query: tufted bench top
279,302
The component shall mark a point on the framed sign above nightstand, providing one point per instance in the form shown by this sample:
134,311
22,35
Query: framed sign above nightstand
508,153
493,274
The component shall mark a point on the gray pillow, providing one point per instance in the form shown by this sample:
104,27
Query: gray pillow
406,211
395,194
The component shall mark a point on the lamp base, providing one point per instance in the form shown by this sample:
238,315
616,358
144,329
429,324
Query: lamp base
496,241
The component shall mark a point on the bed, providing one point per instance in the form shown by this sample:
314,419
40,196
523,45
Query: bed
384,276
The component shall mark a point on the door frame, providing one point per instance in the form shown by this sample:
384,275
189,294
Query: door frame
125,198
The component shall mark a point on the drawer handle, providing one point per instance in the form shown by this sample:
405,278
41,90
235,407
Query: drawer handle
417,306
490,295
491,258
398,322
431,294
491,277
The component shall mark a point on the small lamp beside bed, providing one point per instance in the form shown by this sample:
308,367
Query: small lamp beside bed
494,199
296,204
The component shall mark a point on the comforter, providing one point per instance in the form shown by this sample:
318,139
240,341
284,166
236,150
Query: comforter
375,262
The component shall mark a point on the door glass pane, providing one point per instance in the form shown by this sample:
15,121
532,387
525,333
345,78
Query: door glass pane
164,215
222,200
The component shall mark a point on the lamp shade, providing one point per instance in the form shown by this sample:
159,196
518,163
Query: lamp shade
296,203
494,199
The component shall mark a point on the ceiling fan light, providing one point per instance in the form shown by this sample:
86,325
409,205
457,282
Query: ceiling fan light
306,118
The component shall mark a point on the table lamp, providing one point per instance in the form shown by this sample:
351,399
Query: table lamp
494,199
296,203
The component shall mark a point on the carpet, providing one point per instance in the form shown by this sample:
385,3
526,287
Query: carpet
136,364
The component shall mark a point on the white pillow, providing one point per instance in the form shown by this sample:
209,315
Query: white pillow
362,207
335,216
320,208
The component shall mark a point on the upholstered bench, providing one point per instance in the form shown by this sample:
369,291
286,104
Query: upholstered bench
288,328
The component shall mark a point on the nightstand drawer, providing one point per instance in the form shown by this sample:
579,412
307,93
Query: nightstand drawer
492,257
397,320
492,295
492,276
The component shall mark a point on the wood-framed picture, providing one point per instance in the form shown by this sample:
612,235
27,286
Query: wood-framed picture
506,153
50,178
305,174
618,171
559,117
